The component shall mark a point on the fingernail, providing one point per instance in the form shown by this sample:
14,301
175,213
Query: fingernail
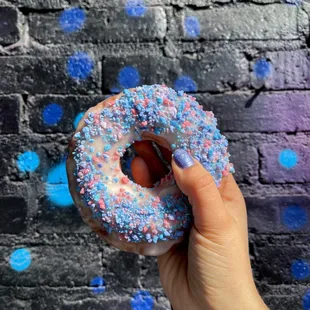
183,159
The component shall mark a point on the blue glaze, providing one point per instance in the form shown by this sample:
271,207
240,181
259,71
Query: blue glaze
288,158
262,69
142,300
72,20
52,114
185,83
135,8
77,119
306,300
80,66
129,77
294,217
300,269
192,26
97,285
20,259
57,186
28,161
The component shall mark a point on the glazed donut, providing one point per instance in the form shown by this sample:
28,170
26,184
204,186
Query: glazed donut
147,221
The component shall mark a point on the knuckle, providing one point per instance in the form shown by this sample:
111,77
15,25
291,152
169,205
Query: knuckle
203,182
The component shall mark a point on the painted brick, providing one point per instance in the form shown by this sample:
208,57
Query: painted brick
221,70
42,75
9,31
13,215
244,22
278,214
9,113
109,25
71,106
149,273
273,171
273,263
245,160
79,264
267,112
290,70
284,302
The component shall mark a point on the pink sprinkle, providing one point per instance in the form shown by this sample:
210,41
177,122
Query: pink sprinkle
82,191
225,173
125,180
144,123
145,229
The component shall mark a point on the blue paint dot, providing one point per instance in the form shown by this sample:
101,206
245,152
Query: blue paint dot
98,285
306,300
294,2
28,161
142,300
135,8
57,188
262,69
77,119
192,26
72,20
20,259
52,114
300,269
80,65
288,158
294,217
186,84
129,77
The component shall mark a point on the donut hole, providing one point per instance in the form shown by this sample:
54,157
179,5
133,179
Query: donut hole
146,163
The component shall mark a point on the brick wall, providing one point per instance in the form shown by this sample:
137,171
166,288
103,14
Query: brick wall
247,61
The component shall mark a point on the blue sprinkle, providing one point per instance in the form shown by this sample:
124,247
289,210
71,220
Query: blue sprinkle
262,69
294,217
52,114
28,161
300,269
129,77
98,285
107,147
77,119
185,83
135,8
80,66
72,20
192,26
20,259
306,300
142,300
288,158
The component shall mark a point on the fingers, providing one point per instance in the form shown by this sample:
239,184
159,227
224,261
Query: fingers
210,213
141,173
156,167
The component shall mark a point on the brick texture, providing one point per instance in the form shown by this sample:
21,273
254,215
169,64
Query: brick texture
56,63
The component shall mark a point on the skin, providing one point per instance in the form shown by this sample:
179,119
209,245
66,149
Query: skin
210,270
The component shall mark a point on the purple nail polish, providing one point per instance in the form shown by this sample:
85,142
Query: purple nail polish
183,159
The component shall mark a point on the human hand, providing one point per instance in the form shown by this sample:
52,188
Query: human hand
211,270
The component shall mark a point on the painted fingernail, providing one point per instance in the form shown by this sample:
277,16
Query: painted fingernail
183,159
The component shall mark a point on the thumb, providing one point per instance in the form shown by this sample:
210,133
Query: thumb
209,211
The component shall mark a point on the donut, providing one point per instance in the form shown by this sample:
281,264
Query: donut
147,221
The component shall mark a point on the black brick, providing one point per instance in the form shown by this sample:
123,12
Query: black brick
42,75
221,70
9,113
9,32
71,106
52,219
108,25
13,215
